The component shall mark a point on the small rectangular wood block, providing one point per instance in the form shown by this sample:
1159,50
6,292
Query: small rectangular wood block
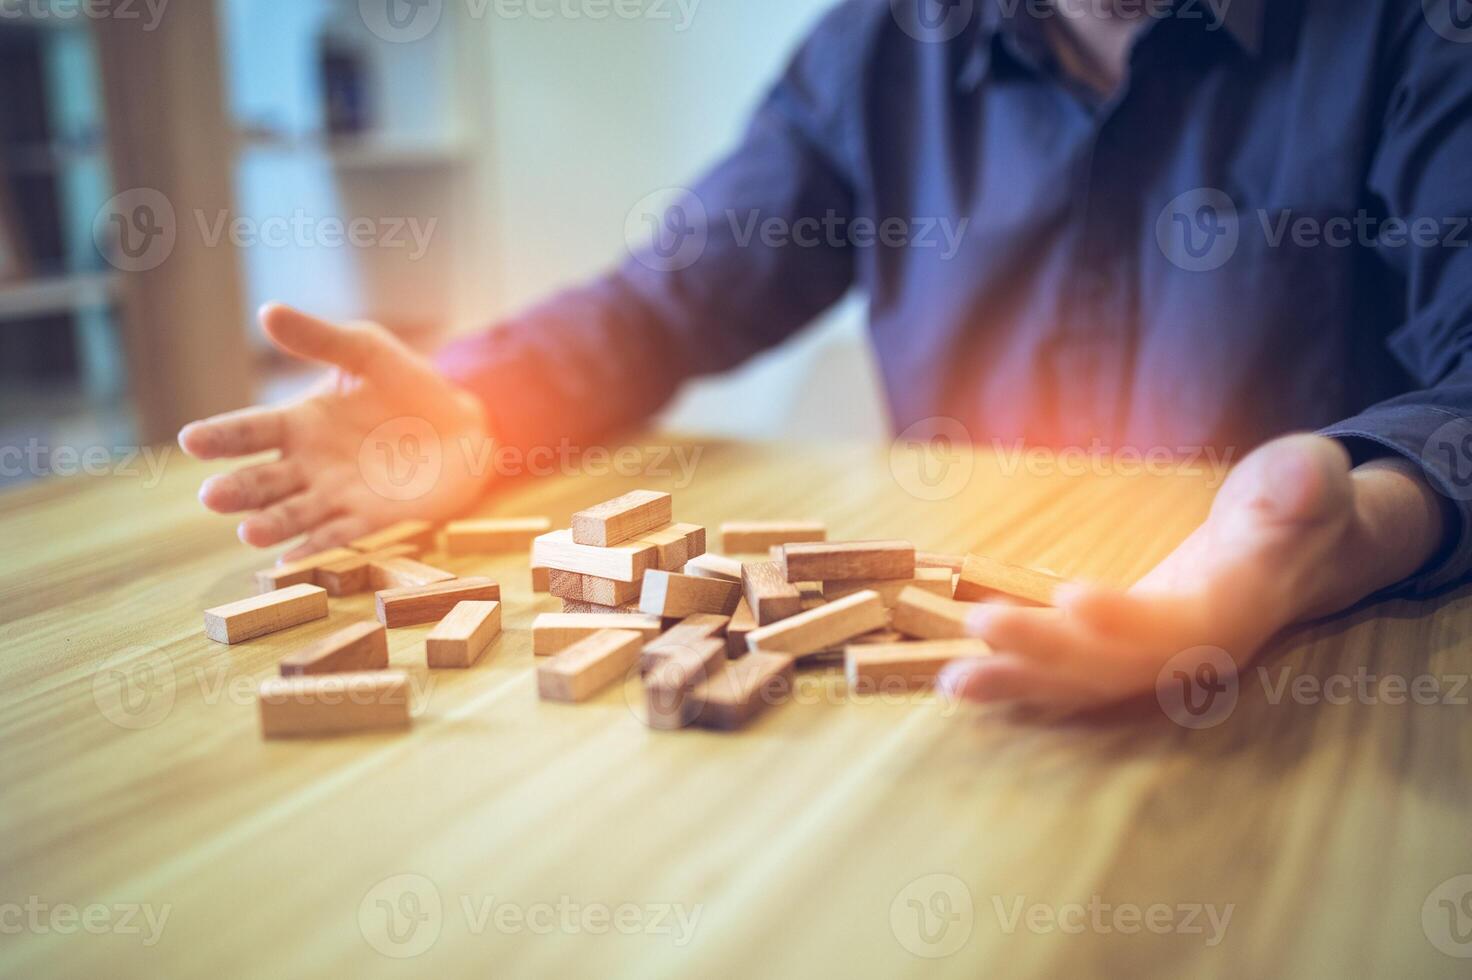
261,614
419,533
818,629
625,562
361,646
742,623
554,632
987,578
349,576
929,616
303,571
673,594
825,562
462,636
430,603
622,518
934,559
328,704
755,537
687,634
936,581
711,565
578,606
904,666
591,588
669,680
768,593
492,535
541,580
731,697
676,545
403,573
586,667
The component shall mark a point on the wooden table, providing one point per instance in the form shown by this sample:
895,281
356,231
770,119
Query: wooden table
838,836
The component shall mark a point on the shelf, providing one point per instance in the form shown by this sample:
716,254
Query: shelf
56,294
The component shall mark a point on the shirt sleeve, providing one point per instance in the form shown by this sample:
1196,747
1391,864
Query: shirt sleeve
1419,174
709,288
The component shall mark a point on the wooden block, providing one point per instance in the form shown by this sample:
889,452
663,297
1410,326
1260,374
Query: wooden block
930,616
361,646
622,518
834,655
710,565
934,559
987,578
811,593
403,573
824,562
261,614
817,629
578,606
430,603
540,578
904,666
586,667
673,594
492,535
419,533
768,593
462,636
349,576
687,634
755,537
591,588
303,571
669,680
328,704
732,696
676,545
625,562
936,581
742,623
554,632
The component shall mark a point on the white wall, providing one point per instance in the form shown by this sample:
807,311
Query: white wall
574,120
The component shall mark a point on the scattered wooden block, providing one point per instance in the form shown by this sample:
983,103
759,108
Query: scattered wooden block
930,616
934,559
625,562
755,537
430,603
586,667
811,593
689,633
594,608
710,565
742,623
403,573
541,581
669,680
328,704
834,654
554,632
303,571
904,666
671,594
817,629
987,578
418,533
828,561
492,535
936,581
462,636
622,518
676,545
361,646
768,593
349,576
732,696
590,588
261,614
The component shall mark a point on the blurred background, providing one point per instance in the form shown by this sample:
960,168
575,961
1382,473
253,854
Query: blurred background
169,165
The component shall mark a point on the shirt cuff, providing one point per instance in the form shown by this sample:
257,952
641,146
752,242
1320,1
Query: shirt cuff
1439,442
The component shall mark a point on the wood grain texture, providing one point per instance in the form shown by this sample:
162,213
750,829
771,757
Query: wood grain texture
670,594
266,613
350,575
769,595
936,581
983,577
829,561
821,627
331,704
299,572
415,605
361,646
891,667
626,516
134,770
586,667
464,634
689,633
927,616
712,565
554,632
403,573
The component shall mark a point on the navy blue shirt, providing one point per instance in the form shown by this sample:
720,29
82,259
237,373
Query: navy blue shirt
1264,229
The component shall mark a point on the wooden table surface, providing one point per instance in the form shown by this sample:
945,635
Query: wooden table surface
837,836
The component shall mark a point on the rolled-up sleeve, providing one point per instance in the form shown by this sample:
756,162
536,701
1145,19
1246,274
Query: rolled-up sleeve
1422,179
